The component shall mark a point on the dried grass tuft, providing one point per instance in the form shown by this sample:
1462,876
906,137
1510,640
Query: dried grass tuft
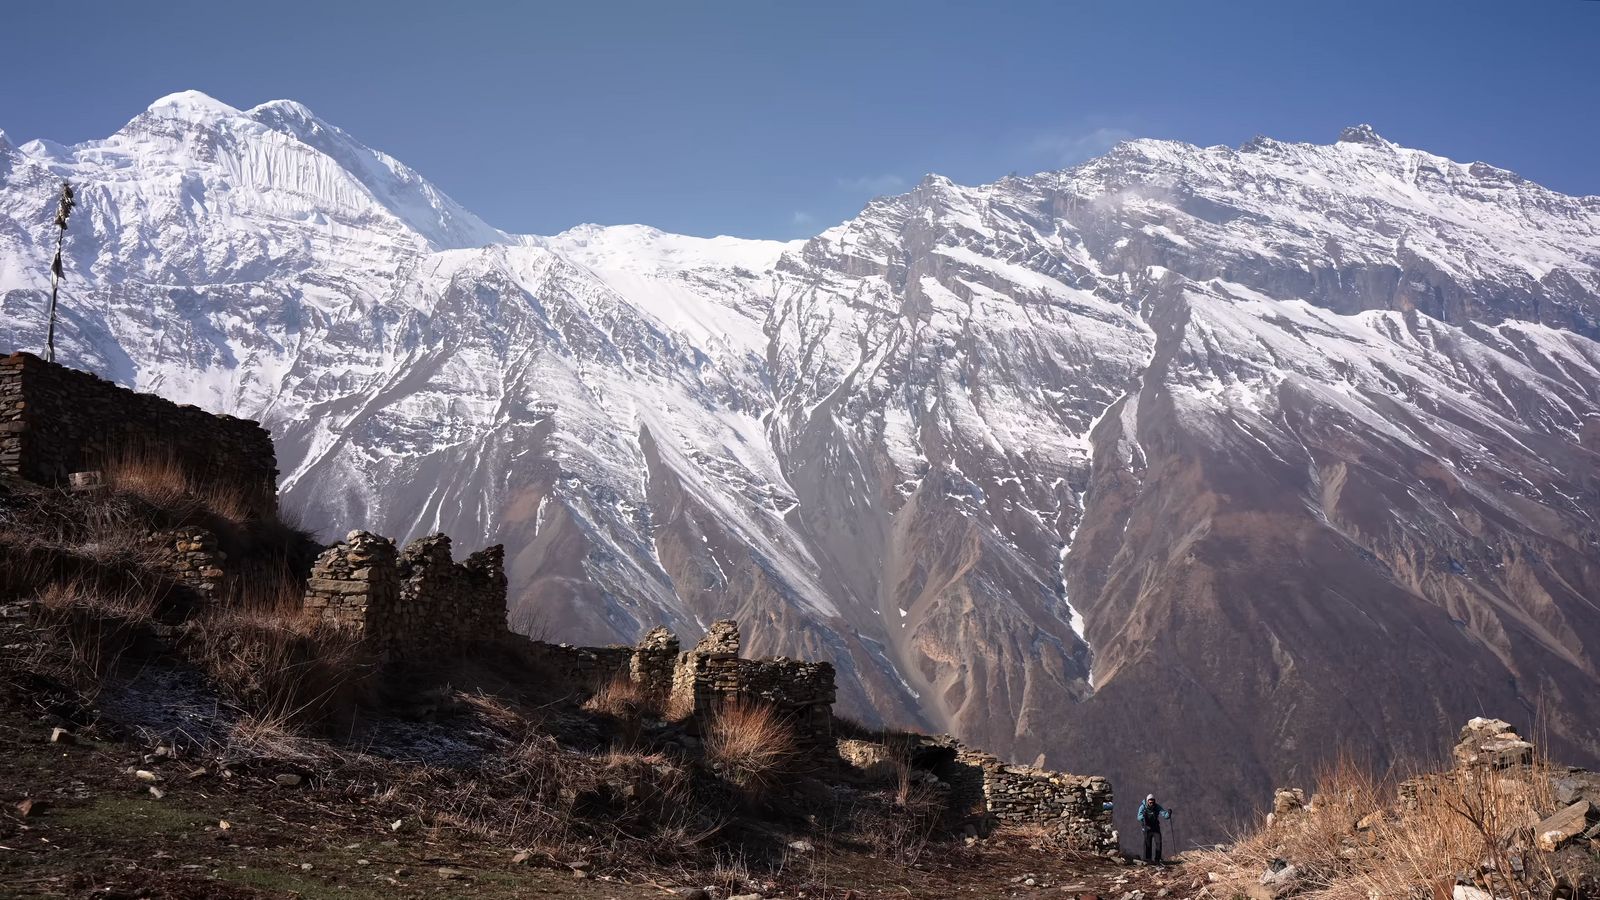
159,478
1357,839
751,741
277,663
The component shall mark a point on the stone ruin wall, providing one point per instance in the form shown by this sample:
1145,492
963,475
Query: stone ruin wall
417,601
56,421
192,556
353,584
413,602
713,673
1076,806
1483,745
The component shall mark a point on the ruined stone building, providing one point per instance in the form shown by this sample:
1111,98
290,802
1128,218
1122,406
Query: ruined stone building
56,421
418,603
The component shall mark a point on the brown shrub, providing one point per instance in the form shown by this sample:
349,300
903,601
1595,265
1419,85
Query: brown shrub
159,478
277,664
87,629
626,704
623,698
1355,840
751,741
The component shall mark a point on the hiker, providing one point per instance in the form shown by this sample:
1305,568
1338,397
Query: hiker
1150,815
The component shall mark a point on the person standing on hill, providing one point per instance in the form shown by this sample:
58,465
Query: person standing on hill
1150,815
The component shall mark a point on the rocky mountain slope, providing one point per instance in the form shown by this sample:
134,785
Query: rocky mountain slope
1185,465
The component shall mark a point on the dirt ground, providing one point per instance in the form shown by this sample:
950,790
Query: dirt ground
96,829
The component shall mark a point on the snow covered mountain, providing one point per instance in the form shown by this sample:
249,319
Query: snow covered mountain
1192,466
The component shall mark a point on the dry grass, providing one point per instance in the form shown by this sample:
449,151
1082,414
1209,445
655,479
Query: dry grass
624,699
635,808
159,478
283,668
751,741
625,704
1357,840
278,664
86,630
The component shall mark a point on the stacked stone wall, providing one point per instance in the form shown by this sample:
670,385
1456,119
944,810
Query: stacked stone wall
1076,806
56,421
712,673
354,584
653,661
192,555
578,671
412,603
444,604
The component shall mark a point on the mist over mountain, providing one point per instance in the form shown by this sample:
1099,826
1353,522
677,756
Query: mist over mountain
1189,466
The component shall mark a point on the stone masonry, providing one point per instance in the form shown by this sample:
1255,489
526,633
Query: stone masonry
416,602
653,661
446,602
1483,747
353,584
712,673
1075,806
193,558
56,421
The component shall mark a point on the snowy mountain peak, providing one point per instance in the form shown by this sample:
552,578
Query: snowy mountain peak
292,108
1362,134
643,248
1010,455
192,106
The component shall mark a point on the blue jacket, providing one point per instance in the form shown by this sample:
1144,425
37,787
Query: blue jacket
1151,814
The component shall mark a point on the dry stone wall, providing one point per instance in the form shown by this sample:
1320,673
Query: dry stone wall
446,603
354,584
578,671
712,673
192,555
56,421
1076,806
415,602
653,661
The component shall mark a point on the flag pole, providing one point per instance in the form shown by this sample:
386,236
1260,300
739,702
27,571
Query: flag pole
63,210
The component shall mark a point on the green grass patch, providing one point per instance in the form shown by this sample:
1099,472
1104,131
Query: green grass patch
286,878
130,815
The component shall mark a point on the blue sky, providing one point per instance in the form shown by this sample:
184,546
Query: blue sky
769,119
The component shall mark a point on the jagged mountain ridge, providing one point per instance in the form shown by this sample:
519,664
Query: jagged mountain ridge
1245,452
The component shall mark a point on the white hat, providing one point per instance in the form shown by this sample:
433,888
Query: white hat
1149,796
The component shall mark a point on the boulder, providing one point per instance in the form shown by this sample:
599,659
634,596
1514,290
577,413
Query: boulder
1565,826
1492,743
1281,879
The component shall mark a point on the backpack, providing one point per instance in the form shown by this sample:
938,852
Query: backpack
1149,815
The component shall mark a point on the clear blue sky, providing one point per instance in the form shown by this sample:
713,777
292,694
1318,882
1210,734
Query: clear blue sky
769,119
